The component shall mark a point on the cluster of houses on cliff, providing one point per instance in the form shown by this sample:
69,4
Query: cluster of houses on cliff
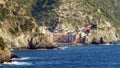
78,36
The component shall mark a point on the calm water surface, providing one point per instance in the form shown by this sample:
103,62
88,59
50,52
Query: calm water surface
68,57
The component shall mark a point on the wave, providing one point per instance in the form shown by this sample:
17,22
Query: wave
17,63
107,44
11,49
63,47
24,58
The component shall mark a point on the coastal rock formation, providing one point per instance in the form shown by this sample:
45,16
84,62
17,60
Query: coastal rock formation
14,56
5,54
40,41
107,32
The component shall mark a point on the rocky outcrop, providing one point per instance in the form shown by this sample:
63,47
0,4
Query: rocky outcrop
107,32
14,56
40,41
5,54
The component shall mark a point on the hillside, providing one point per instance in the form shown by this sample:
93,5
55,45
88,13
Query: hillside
74,14
21,21
17,26
73,10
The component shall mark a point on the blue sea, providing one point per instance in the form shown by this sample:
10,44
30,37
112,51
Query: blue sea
95,56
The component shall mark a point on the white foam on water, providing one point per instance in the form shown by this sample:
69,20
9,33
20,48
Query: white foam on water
17,63
24,58
107,44
63,47
11,49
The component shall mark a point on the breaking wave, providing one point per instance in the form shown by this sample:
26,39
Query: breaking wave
17,63
24,58
63,47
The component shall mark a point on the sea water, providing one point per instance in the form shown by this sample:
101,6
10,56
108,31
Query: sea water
68,57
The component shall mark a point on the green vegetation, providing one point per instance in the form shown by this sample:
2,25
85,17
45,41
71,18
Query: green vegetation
74,22
16,16
110,10
2,44
44,12
27,26
4,12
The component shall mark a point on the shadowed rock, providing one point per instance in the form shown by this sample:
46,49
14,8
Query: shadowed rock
14,56
94,41
101,40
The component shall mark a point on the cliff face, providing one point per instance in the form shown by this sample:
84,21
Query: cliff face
86,12
79,13
17,24
21,20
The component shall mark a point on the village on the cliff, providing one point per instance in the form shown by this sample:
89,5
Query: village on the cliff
78,36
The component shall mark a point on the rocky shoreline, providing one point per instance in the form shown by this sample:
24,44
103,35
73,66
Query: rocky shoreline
6,55
56,45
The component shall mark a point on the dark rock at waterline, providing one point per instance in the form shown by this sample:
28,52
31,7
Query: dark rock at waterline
43,47
102,40
14,56
94,41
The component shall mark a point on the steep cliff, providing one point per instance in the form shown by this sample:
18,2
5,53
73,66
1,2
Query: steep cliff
17,24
